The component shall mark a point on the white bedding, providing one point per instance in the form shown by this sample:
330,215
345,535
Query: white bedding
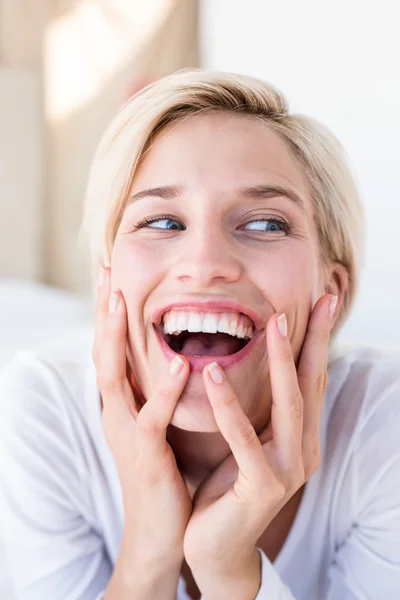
33,315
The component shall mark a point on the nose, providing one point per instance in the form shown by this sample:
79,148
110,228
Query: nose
207,257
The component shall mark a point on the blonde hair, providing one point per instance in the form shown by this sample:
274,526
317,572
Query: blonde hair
323,162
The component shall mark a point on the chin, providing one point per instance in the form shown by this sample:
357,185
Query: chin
193,411
194,417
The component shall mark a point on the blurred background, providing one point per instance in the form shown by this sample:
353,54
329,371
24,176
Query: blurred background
65,68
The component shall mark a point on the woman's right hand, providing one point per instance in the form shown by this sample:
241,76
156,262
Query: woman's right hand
156,501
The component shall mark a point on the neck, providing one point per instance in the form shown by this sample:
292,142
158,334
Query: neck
197,454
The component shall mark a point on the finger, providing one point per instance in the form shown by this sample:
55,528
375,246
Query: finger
235,426
137,392
101,310
312,377
267,434
110,353
155,416
287,402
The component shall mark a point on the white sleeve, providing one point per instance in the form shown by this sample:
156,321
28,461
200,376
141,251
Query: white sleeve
272,587
52,550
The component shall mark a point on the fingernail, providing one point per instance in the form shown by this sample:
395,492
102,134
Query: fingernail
113,303
216,373
332,306
101,276
282,324
176,365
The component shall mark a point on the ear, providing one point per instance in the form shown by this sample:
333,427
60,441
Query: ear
336,283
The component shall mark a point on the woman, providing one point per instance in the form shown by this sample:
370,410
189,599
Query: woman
201,451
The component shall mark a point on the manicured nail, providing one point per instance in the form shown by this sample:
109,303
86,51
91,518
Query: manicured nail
102,276
332,306
216,373
282,324
176,365
113,303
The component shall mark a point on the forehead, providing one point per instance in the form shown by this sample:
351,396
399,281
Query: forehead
219,151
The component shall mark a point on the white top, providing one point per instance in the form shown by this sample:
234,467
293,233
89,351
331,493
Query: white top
61,502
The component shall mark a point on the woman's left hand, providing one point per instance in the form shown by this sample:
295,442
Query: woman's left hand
233,506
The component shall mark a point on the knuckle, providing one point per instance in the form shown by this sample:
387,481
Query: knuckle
270,490
163,392
147,428
325,334
295,478
230,400
278,492
162,395
246,434
147,424
320,384
292,486
296,406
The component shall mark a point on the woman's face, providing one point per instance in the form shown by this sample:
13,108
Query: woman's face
221,236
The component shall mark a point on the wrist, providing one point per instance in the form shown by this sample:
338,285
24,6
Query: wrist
135,551
148,570
242,582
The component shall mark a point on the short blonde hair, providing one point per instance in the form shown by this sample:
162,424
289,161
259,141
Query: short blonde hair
338,210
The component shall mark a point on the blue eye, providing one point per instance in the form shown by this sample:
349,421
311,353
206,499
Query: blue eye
270,225
165,219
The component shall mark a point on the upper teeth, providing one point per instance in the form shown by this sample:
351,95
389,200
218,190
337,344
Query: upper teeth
176,321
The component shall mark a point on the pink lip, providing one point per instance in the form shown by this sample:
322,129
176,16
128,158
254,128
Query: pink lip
197,364
210,306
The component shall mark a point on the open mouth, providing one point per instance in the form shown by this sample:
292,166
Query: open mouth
204,344
228,336
199,348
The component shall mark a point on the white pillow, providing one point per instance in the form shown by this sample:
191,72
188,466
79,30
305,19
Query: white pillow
34,314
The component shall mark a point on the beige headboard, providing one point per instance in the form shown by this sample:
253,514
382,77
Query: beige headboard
21,182
60,85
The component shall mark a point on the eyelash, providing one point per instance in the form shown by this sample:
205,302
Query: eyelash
285,225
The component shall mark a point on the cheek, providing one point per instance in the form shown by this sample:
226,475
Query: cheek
134,267
287,279
291,282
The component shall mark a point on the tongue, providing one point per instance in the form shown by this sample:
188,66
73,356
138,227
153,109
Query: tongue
210,344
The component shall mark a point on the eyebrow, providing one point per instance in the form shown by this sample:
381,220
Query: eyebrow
168,192
263,192
257,192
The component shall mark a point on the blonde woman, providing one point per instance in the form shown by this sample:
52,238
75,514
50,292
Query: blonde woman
193,445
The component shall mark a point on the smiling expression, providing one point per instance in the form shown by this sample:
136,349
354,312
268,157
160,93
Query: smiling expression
235,223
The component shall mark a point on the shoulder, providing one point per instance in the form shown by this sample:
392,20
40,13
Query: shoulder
364,400
370,377
47,384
